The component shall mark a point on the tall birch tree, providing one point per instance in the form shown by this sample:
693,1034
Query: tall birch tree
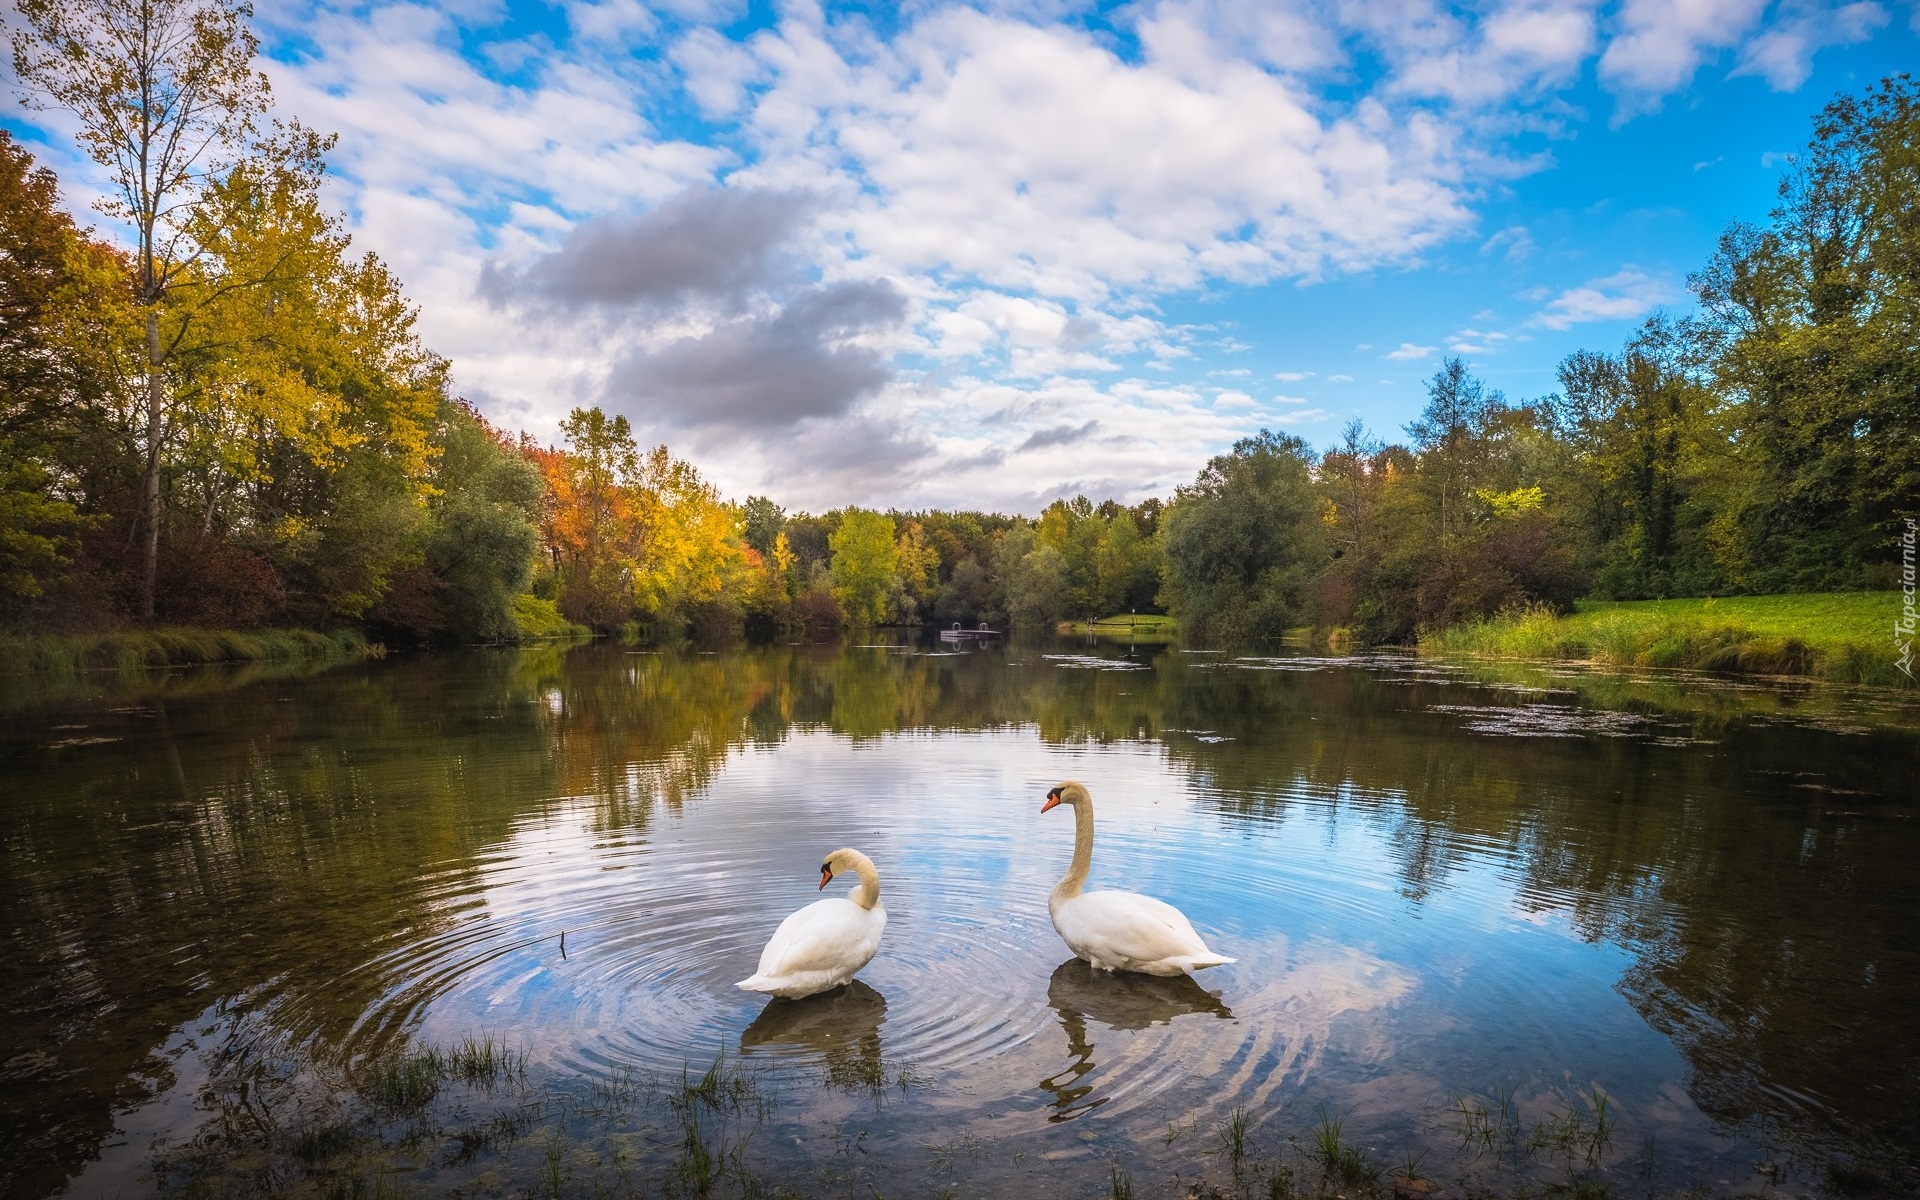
167,102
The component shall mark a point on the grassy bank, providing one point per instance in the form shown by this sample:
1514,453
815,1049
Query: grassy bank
1840,636
133,648
1146,627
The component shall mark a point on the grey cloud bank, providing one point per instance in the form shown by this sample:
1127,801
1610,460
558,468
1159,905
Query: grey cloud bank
715,244
766,372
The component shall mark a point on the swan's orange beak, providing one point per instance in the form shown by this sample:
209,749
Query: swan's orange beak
1053,798
826,876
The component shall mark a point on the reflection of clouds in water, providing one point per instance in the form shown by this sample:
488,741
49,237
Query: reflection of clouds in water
1326,995
1129,1039
1118,1000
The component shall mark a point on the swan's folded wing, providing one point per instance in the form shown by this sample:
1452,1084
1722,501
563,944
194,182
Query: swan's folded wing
820,937
1129,926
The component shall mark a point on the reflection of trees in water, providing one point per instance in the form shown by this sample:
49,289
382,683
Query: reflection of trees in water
280,832
1119,1001
1768,916
840,1028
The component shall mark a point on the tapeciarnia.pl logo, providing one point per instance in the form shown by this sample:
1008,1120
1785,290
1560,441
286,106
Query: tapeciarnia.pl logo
1903,629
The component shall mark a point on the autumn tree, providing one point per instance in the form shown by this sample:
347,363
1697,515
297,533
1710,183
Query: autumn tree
168,102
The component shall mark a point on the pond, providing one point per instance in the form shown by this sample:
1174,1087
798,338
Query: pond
470,923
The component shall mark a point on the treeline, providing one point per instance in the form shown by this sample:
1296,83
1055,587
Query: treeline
230,422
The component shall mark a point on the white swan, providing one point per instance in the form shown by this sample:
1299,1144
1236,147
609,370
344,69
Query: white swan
1118,931
823,944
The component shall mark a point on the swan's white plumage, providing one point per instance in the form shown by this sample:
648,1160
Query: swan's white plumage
822,945
1119,931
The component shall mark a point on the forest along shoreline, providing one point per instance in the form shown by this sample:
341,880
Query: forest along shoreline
212,437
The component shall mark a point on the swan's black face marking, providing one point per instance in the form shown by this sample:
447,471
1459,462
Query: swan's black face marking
1054,794
826,874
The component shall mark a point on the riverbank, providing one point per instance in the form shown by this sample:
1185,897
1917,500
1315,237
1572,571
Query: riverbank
1846,637
1144,627
131,649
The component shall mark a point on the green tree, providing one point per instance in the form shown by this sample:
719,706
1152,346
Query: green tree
484,530
864,559
1243,541
1811,324
1449,437
762,521
1637,425
1032,577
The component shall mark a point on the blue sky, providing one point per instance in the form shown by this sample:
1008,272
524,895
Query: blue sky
986,255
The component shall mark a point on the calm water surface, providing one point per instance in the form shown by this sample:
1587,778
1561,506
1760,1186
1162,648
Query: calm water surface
1527,929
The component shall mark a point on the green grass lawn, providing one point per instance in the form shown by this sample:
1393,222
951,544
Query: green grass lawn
1846,636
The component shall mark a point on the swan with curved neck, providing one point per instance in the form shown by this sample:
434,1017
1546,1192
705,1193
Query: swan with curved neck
1118,931
822,945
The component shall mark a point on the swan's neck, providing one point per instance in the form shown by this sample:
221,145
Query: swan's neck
868,893
1076,876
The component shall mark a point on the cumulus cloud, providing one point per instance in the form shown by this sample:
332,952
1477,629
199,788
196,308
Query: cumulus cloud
1662,43
1621,296
710,243
766,371
1509,49
644,209
1783,53
1035,160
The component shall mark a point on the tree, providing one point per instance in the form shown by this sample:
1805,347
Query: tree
1811,324
762,522
1244,539
1033,578
591,521
168,101
864,559
484,535
1447,437
1637,422
916,573
44,283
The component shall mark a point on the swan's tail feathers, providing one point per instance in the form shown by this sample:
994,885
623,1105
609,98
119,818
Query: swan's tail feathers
757,983
1197,962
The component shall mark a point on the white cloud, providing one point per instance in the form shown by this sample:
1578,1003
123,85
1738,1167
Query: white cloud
1030,194
1512,49
715,71
1034,160
1783,53
1662,43
1475,341
1303,417
1623,295
1514,243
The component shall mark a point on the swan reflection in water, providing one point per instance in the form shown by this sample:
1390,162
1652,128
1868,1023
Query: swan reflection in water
1119,1000
841,1028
